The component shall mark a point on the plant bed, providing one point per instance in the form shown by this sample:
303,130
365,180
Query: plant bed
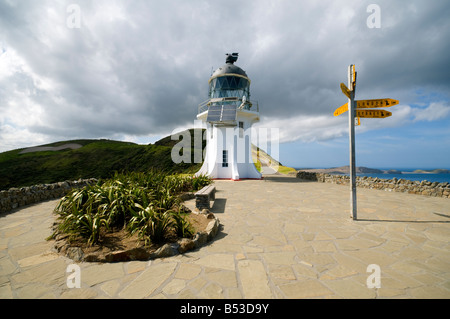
132,217
119,245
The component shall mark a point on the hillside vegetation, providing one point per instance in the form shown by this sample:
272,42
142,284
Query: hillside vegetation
75,159
96,158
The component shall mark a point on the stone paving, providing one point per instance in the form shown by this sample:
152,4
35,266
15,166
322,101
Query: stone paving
281,238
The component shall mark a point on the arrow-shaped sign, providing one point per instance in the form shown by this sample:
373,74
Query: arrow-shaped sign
369,104
345,90
373,113
341,109
353,77
366,104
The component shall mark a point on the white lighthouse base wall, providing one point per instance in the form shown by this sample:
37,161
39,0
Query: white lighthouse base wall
228,155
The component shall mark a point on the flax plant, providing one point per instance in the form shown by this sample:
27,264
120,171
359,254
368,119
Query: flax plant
142,203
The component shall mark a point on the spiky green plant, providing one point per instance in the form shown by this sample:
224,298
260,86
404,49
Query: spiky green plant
150,225
143,203
183,227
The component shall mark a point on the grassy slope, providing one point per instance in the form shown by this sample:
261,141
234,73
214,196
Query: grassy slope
259,154
96,158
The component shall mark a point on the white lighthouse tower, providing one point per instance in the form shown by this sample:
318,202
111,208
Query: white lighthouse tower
229,115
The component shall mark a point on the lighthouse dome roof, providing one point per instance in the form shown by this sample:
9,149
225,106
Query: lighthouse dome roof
229,68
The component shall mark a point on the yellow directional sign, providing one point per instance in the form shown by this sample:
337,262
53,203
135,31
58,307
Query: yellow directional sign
369,104
341,109
353,77
366,104
345,90
373,113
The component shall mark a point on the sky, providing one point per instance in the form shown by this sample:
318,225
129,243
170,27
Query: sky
137,70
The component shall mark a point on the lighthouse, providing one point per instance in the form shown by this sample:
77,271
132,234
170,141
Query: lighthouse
229,114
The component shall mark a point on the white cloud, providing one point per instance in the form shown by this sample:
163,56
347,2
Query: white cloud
321,128
435,111
307,128
140,68
13,137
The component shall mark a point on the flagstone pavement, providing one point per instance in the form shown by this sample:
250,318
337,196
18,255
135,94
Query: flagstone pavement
280,238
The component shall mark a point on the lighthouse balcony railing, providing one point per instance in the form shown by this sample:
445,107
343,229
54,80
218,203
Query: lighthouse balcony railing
249,105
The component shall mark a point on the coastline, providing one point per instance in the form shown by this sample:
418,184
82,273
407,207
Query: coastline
367,170
436,175
417,187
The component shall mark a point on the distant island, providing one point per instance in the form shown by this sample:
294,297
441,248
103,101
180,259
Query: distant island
346,170
434,171
366,170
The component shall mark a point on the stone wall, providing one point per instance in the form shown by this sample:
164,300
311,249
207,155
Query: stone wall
391,185
16,197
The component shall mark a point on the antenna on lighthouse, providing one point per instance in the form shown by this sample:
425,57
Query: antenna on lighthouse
231,58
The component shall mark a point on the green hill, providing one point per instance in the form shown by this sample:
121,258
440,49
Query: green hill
75,159
93,158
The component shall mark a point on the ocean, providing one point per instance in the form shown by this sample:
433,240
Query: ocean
409,175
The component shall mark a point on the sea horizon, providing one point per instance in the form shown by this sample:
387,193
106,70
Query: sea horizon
407,174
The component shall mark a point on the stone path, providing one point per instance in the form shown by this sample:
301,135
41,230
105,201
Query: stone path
281,238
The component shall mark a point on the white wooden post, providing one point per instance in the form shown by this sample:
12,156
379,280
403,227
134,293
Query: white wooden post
351,125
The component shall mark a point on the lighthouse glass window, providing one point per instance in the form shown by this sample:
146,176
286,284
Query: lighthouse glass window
229,86
224,158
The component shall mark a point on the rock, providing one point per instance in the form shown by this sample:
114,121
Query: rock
167,250
75,253
200,239
59,245
399,185
15,197
212,229
93,258
139,253
210,216
426,192
185,245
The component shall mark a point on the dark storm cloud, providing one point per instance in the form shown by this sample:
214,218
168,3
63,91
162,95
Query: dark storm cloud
141,67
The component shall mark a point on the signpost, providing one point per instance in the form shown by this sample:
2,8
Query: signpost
366,104
357,110
351,125
345,90
341,109
374,114
370,104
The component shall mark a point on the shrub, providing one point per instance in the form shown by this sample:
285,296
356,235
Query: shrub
142,203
